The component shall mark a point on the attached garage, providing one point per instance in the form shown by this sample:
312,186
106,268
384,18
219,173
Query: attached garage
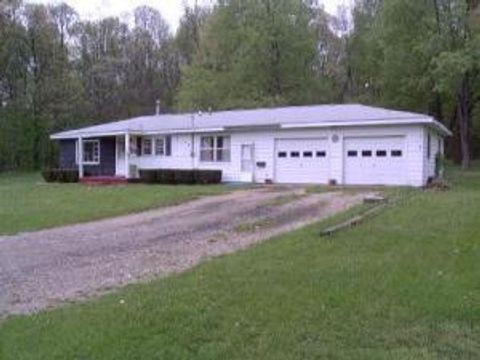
301,160
375,160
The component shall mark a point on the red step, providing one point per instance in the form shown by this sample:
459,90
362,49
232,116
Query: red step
104,180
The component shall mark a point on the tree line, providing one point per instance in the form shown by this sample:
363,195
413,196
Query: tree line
59,71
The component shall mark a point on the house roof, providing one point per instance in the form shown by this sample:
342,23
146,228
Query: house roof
312,116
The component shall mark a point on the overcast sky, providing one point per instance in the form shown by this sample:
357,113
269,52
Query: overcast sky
171,10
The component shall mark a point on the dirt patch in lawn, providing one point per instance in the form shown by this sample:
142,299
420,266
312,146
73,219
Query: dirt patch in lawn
46,268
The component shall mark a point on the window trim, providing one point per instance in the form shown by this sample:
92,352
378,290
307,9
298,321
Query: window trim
164,146
145,138
77,153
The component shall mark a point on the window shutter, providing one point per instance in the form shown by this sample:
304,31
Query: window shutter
168,145
139,146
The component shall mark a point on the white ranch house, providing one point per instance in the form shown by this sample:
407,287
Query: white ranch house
320,144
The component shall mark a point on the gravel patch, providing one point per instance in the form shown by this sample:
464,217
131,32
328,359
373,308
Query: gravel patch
42,269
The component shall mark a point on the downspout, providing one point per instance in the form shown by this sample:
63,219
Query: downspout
192,152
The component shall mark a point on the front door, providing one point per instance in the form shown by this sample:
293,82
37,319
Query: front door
120,154
247,163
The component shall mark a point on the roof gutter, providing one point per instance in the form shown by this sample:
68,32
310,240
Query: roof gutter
93,134
87,134
422,121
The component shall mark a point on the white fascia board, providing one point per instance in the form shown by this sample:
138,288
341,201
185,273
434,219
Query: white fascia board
183,131
88,134
358,123
441,128
91,134
420,121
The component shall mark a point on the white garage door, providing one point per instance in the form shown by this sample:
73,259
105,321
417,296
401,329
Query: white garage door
301,161
375,161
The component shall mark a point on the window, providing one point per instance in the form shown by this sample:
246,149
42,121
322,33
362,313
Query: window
223,148
321,153
146,146
91,152
381,153
352,153
308,154
160,146
282,154
429,145
396,153
366,153
215,148
295,154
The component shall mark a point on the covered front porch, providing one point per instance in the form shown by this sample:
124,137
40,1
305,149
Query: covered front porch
101,158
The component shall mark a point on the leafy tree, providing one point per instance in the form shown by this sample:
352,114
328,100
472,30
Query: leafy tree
254,53
421,56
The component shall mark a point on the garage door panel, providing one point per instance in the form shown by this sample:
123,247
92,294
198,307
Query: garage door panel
301,161
375,160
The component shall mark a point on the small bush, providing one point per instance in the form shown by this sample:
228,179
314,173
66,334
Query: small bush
166,176
207,176
49,175
148,176
180,176
184,177
60,175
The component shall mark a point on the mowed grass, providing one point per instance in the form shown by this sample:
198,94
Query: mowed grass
403,285
28,203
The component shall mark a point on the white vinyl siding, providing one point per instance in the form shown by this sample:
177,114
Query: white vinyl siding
265,153
436,143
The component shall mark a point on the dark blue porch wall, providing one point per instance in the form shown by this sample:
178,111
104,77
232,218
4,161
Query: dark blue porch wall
67,154
107,157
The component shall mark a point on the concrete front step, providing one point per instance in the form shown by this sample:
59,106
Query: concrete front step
103,180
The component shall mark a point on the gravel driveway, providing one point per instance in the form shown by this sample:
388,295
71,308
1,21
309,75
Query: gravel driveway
45,268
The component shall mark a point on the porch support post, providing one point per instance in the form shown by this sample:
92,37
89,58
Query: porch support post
80,157
127,155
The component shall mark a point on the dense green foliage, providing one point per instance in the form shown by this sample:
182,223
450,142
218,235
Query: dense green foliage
28,203
255,53
422,56
58,71
403,285
60,175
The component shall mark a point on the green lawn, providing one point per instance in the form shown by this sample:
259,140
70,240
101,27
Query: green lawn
403,285
28,203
